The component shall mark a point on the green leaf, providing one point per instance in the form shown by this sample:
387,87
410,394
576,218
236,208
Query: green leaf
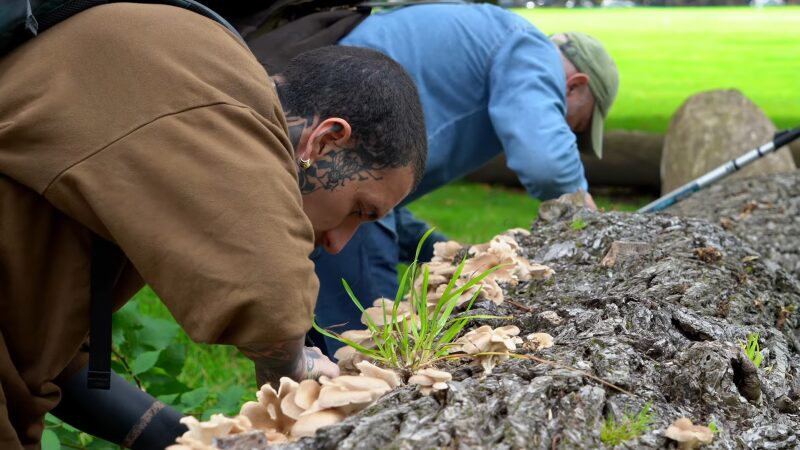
193,399
230,399
50,440
156,334
144,361
168,399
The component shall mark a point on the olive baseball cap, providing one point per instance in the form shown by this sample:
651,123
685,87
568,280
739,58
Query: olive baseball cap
589,56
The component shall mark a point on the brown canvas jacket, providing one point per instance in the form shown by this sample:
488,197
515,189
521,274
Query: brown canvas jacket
155,128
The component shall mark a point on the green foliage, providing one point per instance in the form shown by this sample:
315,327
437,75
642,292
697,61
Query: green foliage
578,224
631,426
408,343
752,350
714,427
661,63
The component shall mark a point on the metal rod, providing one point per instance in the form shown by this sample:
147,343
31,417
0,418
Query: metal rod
720,172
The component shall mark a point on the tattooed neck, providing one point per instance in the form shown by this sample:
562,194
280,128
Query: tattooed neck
339,166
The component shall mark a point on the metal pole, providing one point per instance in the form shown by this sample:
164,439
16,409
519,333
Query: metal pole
720,172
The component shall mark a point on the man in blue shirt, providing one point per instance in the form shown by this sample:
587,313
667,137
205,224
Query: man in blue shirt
489,82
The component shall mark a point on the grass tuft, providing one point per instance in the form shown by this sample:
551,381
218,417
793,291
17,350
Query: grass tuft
630,427
427,335
752,349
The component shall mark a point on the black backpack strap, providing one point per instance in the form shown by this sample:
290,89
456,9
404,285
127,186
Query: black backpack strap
104,272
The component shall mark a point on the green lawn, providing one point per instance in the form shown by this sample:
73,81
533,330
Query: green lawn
667,54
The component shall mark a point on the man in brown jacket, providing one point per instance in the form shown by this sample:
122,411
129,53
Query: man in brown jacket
154,128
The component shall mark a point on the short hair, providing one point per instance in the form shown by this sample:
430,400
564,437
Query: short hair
369,90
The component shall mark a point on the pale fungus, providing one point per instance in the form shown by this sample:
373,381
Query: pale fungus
381,312
368,369
539,341
445,251
430,380
687,435
205,432
489,346
308,424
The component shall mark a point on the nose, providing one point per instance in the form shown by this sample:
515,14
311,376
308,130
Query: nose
334,240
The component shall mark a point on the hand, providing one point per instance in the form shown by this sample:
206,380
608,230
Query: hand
589,202
288,359
315,364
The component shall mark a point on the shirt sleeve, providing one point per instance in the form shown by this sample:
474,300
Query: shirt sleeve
528,110
205,204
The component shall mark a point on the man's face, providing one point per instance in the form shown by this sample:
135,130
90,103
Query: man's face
580,103
336,211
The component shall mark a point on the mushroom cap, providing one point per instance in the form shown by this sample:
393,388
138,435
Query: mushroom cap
539,341
335,396
442,268
540,271
435,374
308,425
445,251
217,425
689,435
306,393
430,380
358,382
358,336
289,406
258,415
381,312
371,370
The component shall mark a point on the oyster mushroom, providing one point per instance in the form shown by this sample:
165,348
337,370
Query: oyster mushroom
187,443
381,312
347,357
430,380
368,369
349,393
308,424
258,415
539,341
300,399
540,271
217,425
499,341
445,251
687,435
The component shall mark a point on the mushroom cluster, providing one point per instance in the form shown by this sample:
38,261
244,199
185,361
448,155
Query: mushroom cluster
503,251
489,346
687,435
430,380
296,409
200,435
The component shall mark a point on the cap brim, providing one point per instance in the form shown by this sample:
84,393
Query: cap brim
591,140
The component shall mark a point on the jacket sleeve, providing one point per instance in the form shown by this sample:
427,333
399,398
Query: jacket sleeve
528,111
205,203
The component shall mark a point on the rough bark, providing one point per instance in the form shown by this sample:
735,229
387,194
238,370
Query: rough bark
662,321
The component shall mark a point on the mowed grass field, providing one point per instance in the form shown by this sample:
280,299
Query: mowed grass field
664,56
667,54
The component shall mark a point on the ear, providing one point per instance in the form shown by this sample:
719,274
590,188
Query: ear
328,135
579,81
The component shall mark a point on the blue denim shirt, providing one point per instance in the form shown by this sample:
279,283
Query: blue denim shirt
489,82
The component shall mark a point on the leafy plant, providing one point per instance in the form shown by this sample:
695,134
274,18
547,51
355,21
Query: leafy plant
411,342
631,426
578,224
752,350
